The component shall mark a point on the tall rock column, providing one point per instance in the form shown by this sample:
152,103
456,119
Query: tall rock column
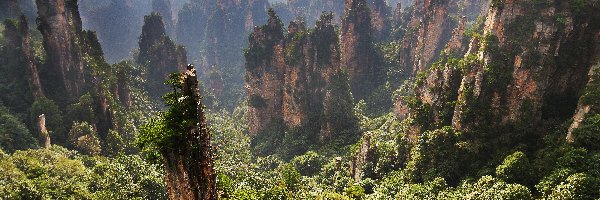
358,52
189,165
159,54
265,73
17,36
60,25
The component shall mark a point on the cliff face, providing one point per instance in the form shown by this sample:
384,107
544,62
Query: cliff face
159,54
358,52
189,167
527,69
429,28
18,38
534,68
301,75
60,25
118,37
265,74
381,14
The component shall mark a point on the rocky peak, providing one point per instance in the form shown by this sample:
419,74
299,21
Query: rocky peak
296,79
189,167
431,29
60,25
381,14
159,54
358,53
18,38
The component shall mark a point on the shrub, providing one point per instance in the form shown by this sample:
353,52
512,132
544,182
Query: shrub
515,168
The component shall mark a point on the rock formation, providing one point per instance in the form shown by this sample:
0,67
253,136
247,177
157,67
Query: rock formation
18,38
265,73
358,52
381,15
159,54
297,78
525,70
189,167
60,25
44,134
430,27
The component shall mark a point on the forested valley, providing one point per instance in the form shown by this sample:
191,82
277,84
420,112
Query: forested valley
300,99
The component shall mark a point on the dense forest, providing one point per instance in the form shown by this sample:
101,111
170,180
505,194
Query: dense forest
300,99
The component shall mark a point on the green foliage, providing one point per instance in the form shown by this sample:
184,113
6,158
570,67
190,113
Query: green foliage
308,164
515,168
576,186
437,154
54,119
488,187
339,113
83,138
290,177
57,173
14,135
355,192
83,110
591,94
124,177
259,53
168,128
587,134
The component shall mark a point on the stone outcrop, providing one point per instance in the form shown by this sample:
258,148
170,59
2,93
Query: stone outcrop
297,78
18,38
265,74
358,52
159,54
60,25
587,103
430,27
526,69
43,132
381,14
533,67
189,167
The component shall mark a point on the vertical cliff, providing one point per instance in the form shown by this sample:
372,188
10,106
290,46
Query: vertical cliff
60,25
18,40
358,53
265,73
381,15
529,68
534,67
159,54
188,155
296,87
430,27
